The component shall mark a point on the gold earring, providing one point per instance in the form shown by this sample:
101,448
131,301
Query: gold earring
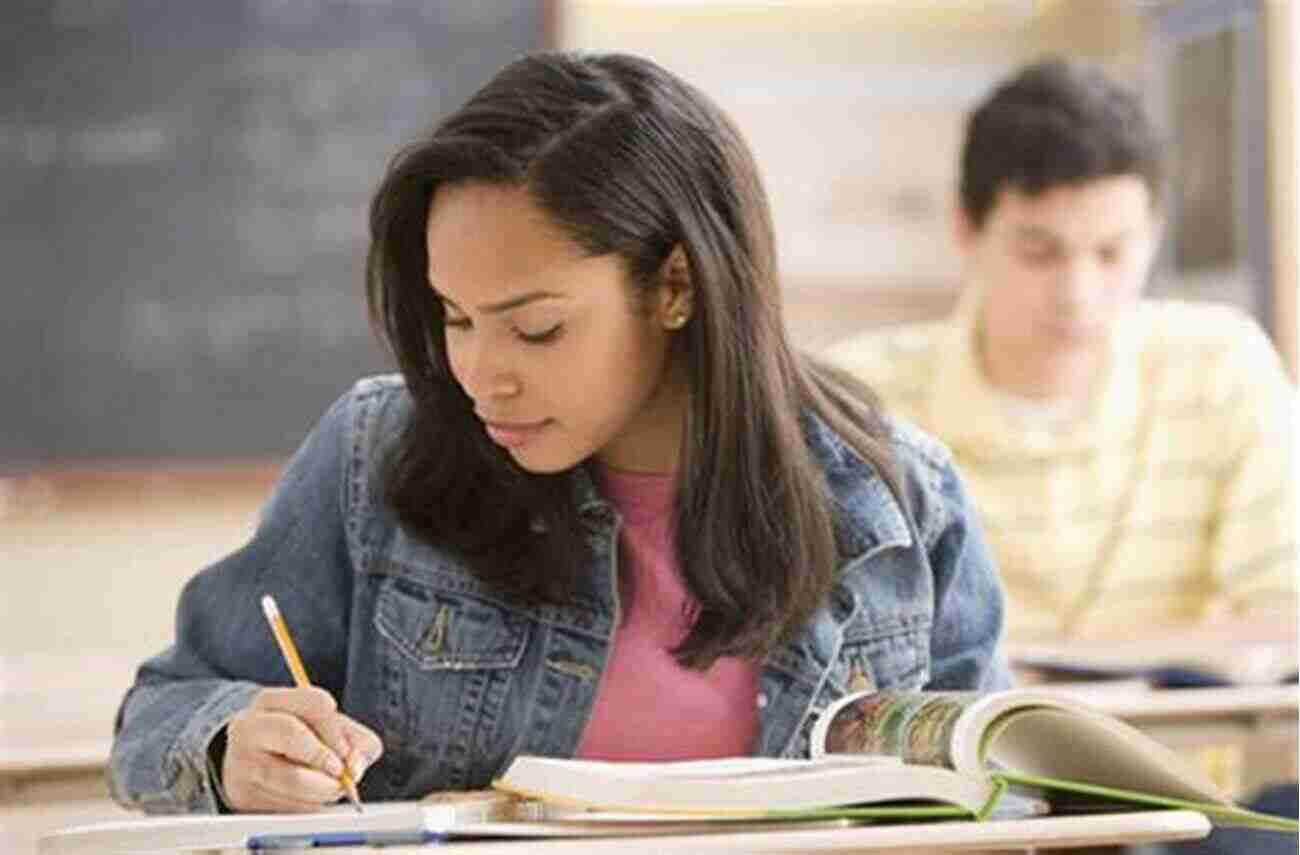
676,322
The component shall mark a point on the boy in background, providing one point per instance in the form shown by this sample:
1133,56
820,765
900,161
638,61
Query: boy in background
1132,460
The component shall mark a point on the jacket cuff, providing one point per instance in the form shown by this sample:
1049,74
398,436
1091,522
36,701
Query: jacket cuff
197,787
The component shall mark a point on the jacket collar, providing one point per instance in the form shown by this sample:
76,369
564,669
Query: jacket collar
868,515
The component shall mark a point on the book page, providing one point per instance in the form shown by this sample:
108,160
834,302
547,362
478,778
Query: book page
601,824
1105,752
916,727
971,735
713,768
762,789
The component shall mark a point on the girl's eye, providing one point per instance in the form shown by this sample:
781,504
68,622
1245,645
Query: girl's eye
456,323
541,337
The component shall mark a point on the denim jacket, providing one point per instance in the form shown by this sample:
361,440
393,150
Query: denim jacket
456,682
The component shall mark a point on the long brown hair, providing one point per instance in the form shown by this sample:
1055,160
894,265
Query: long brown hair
627,159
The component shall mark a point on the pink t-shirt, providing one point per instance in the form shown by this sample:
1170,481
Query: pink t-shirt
648,707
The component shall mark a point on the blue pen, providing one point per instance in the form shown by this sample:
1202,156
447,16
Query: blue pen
322,839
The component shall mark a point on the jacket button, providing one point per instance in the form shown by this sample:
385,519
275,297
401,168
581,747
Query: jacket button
761,700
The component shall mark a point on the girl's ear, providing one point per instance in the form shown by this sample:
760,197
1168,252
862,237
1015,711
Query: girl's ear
676,291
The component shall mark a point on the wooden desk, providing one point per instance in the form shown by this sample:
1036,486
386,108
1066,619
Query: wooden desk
56,729
56,725
1140,705
1262,657
1016,835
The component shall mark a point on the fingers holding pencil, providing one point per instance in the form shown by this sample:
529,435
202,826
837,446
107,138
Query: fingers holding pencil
291,749
284,641
286,751
327,739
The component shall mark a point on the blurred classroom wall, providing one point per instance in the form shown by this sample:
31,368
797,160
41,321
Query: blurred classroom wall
855,112
1283,63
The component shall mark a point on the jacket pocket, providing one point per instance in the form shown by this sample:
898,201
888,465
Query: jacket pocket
449,664
448,631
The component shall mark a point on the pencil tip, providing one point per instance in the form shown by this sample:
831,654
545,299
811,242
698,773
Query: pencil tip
353,795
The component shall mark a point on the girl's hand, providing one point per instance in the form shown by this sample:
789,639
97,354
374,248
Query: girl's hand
286,750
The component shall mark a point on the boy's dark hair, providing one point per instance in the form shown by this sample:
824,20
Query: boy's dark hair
1055,122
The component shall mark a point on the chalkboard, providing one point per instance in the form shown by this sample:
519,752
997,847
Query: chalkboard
183,195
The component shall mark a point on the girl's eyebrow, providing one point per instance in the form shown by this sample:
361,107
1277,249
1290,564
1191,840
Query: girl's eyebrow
507,305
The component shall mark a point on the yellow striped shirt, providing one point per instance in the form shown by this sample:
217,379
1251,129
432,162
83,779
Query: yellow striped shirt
1171,496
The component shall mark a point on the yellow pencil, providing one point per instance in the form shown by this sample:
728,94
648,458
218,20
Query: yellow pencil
283,639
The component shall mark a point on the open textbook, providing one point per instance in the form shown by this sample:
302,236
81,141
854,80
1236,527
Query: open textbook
910,756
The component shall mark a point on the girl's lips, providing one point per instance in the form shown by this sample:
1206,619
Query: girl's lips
514,435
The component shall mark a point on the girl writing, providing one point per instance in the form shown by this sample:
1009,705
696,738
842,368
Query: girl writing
604,511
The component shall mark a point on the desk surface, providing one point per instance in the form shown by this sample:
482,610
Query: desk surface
1052,832
1263,654
1138,704
56,712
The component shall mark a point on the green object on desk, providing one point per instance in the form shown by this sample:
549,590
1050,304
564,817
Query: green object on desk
1227,814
